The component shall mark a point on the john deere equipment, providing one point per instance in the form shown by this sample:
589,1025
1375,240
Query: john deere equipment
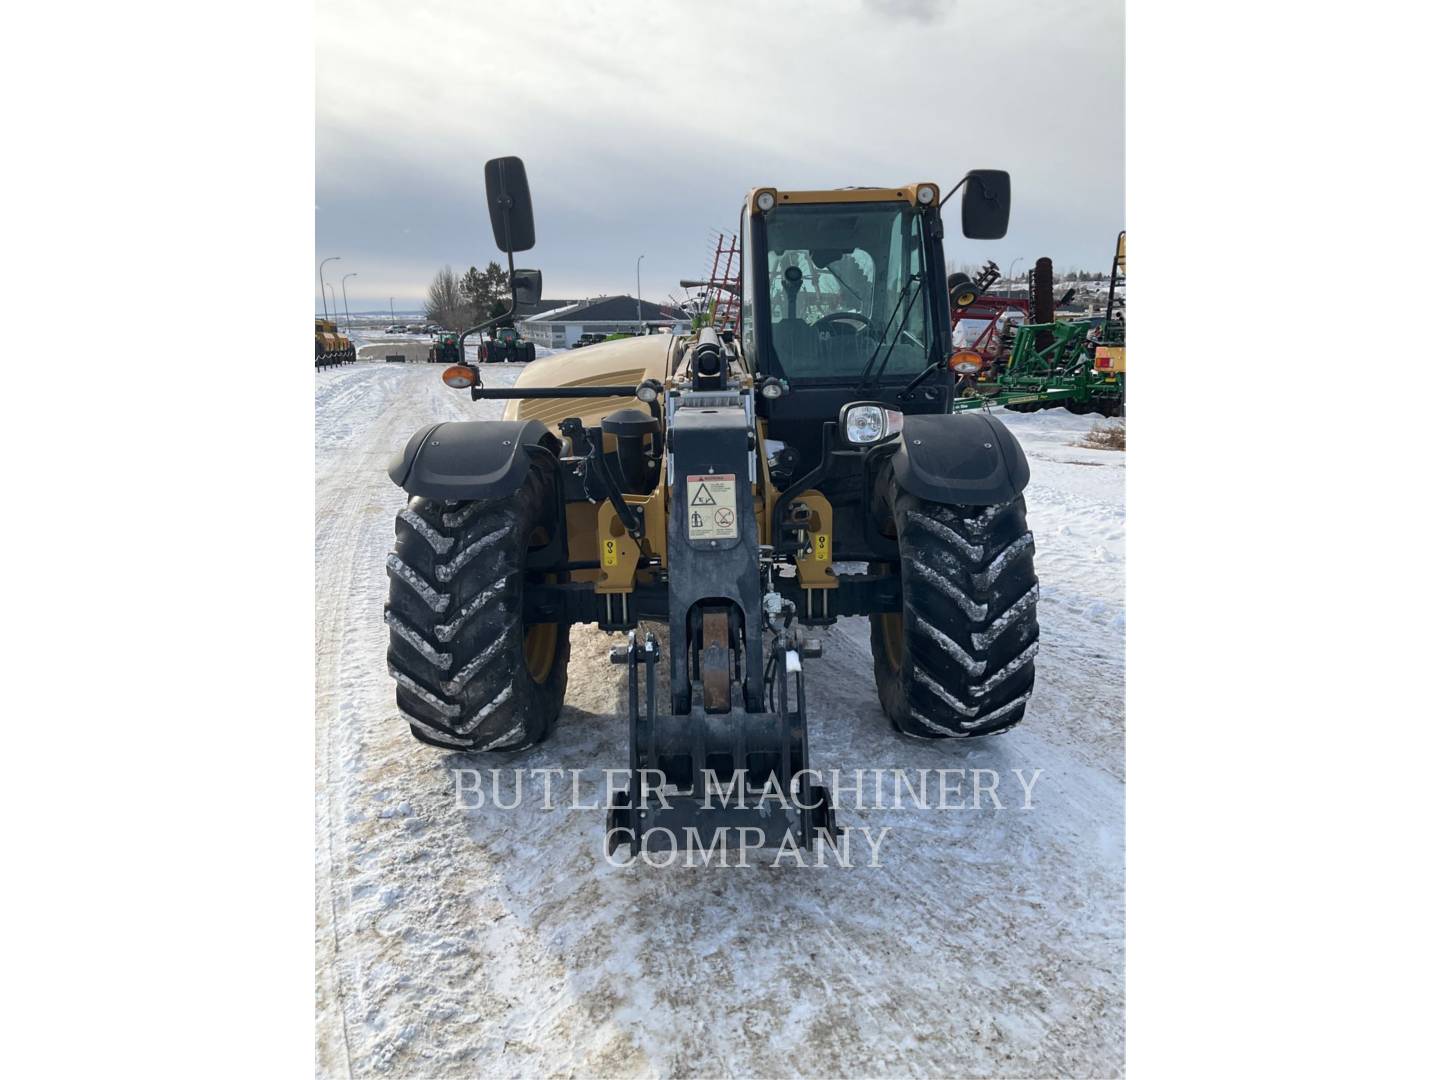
331,346
507,346
1070,364
446,349
740,488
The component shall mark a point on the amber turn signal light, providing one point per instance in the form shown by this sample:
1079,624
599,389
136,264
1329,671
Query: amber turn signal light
458,376
966,362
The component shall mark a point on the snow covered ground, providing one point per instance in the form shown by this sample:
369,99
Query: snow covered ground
370,343
491,942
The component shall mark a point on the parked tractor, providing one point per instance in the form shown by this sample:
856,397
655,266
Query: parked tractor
331,346
446,349
744,489
507,346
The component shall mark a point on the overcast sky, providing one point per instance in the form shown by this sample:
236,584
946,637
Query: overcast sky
642,125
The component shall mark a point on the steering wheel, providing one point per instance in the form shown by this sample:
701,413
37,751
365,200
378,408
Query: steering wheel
843,316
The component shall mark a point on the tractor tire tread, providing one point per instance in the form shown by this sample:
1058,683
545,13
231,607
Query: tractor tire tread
454,616
970,632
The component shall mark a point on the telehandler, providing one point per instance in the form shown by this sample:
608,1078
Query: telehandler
740,488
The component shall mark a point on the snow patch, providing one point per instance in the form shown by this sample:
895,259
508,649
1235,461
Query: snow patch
439,543
972,666
447,571
1012,551
985,638
976,612
436,601
418,643
946,535
447,631
1009,669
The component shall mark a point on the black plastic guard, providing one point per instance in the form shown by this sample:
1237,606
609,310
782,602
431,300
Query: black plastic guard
963,459
469,459
702,442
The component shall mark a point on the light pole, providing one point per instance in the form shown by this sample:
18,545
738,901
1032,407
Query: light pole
392,311
346,295
639,318
1010,274
332,258
332,299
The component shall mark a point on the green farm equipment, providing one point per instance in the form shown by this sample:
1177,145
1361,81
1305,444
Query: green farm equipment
1074,364
507,346
446,349
1062,372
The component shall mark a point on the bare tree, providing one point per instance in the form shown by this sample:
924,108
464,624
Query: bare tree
444,302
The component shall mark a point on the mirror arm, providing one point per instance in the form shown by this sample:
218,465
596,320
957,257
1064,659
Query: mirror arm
490,322
952,191
510,261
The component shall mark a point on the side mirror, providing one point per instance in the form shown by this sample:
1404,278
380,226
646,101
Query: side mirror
985,206
508,193
525,288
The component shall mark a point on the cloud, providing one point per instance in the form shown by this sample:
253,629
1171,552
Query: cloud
925,11
643,125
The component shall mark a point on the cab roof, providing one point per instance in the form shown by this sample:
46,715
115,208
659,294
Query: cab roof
909,193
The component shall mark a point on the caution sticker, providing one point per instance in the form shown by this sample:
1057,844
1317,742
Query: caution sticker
710,507
610,552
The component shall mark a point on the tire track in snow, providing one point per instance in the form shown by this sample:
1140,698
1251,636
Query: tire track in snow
355,504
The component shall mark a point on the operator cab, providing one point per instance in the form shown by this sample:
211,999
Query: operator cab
844,299
845,287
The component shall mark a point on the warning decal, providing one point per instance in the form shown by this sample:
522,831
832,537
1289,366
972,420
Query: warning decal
710,513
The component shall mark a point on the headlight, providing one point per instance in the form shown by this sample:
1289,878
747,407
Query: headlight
926,194
866,424
765,200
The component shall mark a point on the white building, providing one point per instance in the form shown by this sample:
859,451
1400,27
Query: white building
561,327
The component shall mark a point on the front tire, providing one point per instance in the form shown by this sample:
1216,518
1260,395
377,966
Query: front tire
959,660
469,674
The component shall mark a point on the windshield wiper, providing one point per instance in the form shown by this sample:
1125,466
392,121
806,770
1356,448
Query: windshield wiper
865,371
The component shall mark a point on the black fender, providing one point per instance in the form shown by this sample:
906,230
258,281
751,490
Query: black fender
962,459
471,459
